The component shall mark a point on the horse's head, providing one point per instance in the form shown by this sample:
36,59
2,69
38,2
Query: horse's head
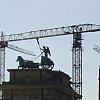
19,58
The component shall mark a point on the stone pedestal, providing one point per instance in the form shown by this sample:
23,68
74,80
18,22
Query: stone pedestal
38,84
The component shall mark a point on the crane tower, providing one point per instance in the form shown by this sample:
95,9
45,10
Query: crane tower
97,49
2,58
77,63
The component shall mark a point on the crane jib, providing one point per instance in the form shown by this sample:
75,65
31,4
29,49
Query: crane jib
82,28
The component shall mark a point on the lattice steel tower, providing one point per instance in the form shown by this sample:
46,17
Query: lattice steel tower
77,63
2,59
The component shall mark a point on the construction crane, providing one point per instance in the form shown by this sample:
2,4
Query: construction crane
97,49
76,30
4,44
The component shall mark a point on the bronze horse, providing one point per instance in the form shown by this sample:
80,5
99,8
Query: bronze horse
26,64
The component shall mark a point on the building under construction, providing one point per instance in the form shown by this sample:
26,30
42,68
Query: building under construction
38,84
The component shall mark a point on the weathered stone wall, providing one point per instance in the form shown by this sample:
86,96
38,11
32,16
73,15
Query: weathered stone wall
38,84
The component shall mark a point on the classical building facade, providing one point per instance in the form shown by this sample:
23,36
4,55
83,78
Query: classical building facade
38,84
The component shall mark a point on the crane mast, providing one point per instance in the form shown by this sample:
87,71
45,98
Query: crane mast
97,49
2,59
77,63
76,30
2,64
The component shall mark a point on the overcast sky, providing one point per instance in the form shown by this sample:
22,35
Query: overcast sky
25,15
